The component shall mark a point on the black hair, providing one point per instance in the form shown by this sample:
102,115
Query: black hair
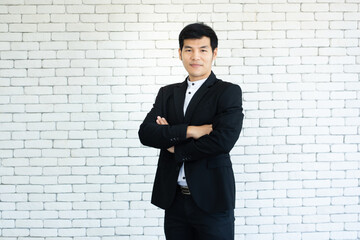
197,31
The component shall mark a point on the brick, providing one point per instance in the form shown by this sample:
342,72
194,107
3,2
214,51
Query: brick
257,25
271,16
82,45
180,17
27,64
49,223
13,55
84,8
343,234
146,17
10,18
272,193
22,9
65,36
67,144
72,232
110,8
319,235
144,8
3,9
7,223
351,16
80,27
335,7
108,27
303,16
302,175
257,8
94,18
50,9
320,7
198,8
15,232
53,134
22,27
35,18
85,153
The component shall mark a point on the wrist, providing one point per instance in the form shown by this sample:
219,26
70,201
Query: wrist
189,132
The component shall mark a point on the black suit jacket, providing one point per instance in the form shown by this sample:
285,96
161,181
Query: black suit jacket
208,167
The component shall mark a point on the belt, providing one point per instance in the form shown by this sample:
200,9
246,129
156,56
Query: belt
184,190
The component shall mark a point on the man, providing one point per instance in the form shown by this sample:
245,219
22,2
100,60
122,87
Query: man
195,124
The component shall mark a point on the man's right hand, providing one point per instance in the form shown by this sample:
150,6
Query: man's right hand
197,132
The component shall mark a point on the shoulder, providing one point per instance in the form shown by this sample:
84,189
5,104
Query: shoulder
171,87
227,87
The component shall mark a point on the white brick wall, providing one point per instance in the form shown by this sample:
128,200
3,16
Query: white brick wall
78,76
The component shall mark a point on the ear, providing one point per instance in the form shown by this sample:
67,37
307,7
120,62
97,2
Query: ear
180,54
215,53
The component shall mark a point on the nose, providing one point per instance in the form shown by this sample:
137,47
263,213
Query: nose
195,55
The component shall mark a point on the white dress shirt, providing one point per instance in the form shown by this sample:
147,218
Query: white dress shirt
190,91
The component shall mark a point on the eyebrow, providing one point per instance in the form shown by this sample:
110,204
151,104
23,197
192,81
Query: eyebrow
200,47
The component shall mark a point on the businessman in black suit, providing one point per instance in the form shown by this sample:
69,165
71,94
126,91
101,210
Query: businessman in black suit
195,124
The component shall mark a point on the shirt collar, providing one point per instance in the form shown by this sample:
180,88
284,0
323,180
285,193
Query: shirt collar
197,83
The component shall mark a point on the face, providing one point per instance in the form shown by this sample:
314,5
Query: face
197,57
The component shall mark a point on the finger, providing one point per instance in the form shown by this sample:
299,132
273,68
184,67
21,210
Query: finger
171,149
164,121
161,121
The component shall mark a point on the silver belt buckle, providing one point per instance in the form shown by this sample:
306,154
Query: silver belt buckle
185,190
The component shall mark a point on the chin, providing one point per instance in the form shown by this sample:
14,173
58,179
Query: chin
197,74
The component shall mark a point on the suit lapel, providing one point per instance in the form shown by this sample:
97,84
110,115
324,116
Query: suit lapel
179,98
198,96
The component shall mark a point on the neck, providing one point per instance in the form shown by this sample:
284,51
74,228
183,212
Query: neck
194,79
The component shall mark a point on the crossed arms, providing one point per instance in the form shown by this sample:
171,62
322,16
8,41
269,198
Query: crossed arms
195,132
188,142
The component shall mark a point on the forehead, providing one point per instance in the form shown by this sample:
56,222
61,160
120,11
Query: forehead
197,43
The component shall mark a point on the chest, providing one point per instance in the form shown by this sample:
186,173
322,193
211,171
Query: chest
199,110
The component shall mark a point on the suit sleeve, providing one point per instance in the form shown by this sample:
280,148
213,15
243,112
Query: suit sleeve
160,136
227,126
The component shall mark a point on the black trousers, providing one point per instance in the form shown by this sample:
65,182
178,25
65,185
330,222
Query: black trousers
184,220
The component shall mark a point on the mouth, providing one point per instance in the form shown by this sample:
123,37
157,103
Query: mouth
195,65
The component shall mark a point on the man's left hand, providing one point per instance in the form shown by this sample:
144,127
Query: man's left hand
162,121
